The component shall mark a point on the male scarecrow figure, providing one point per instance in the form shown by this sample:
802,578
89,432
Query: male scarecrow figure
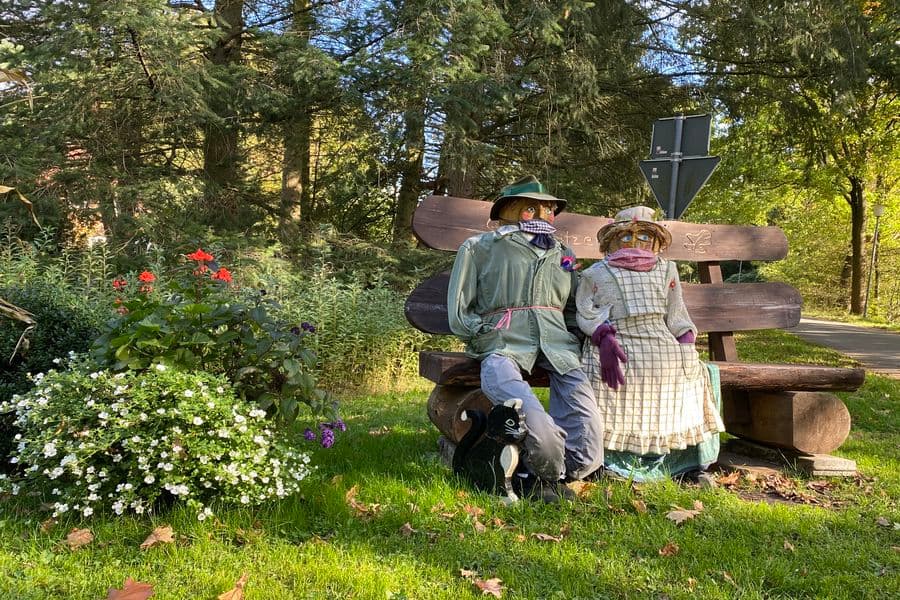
511,299
657,399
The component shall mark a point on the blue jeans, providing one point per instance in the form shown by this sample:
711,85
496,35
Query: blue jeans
567,441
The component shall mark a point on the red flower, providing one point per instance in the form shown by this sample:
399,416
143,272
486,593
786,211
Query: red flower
119,284
200,255
222,274
147,277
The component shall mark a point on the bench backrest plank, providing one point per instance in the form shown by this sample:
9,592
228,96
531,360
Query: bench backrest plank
713,307
445,222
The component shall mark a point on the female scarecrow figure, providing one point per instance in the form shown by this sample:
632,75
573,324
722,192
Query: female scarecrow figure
511,299
657,398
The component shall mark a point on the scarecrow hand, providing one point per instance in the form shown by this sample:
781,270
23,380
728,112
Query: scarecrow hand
611,356
687,337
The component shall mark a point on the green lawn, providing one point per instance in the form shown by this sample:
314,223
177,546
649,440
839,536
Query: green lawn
410,528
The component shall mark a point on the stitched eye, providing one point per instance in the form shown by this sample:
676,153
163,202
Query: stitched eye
626,237
644,237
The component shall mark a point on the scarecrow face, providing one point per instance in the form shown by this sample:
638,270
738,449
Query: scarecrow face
526,209
635,235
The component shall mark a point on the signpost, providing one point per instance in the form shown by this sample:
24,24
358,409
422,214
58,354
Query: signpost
679,161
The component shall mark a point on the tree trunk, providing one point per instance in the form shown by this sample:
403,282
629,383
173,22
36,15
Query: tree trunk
411,173
295,177
857,223
220,148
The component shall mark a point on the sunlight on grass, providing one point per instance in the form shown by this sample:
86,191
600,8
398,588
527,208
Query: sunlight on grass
416,526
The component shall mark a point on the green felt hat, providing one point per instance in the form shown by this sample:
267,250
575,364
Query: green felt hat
527,187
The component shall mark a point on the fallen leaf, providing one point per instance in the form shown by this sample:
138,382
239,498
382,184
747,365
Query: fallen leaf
730,479
680,515
581,488
160,535
882,522
520,538
406,530
132,590
48,524
670,549
237,592
78,538
380,431
691,583
565,530
496,522
546,537
473,511
490,587
467,574
698,506
479,526
639,506
462,536
727,577
462,494
447,515
788,546
363,510
895,548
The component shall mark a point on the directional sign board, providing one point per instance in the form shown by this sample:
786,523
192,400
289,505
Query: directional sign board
679,165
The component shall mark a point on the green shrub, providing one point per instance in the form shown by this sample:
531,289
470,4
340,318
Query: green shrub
93,441
196,319
65,324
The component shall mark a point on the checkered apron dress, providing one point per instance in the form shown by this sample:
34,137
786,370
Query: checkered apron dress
667,402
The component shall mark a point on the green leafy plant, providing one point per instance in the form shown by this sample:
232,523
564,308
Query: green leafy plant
198,319
93,440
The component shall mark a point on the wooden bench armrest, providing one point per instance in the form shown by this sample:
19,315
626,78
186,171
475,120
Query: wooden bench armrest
455,368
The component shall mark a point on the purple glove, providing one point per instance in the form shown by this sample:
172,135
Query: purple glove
687,337
611,354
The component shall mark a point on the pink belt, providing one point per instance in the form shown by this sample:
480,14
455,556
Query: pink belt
505,320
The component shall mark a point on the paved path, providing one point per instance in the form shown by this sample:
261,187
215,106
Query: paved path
878,350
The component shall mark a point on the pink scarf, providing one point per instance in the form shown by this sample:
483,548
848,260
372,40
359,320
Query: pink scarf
633,259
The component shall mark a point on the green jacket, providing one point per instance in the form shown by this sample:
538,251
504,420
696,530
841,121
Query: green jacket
501,270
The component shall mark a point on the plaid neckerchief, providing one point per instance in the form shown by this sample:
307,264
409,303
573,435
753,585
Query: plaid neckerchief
542,230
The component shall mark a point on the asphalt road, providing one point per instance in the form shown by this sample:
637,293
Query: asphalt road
878,350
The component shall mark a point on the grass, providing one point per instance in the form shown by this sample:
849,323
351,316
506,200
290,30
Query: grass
412,527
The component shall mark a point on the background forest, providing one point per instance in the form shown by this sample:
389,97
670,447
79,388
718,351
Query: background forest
295,137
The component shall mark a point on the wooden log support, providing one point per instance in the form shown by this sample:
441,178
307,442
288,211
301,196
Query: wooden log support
446,403
455,368
810,422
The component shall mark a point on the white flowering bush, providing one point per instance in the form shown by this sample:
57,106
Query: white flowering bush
93,440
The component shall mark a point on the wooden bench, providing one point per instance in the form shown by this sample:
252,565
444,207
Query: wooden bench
786,406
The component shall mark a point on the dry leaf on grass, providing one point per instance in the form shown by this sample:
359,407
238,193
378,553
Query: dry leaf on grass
788,546
479,526
362,510
160,535
883,522
78,538
670,549
730,479
491,587
407,530
698,506
680,515
691,583
727,577
384,429
581,488
520,538
48,524
639,506
546,537
473,511
237,592
132,590
895,548
498,523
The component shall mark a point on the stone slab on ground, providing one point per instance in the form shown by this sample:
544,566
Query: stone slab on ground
745,455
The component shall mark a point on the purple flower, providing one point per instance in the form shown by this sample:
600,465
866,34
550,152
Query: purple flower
309,434
295,330
306,326
340,425
327,438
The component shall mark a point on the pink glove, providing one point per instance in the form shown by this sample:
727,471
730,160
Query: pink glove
611,354
687,337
